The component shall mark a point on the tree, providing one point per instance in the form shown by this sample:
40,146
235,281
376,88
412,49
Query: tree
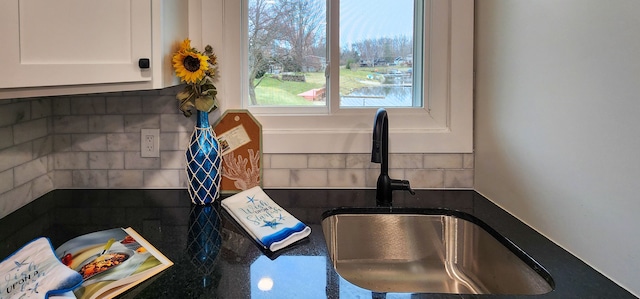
262,19
369,52
302,29
283,33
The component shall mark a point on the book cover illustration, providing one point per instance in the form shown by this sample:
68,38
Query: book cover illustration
111,261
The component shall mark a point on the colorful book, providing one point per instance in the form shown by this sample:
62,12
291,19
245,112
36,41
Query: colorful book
101,264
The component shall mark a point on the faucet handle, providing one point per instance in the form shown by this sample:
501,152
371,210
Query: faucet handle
406,183
402,185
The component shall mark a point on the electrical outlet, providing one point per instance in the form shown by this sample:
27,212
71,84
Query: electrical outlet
150,143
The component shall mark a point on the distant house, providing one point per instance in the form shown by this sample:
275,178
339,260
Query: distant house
364,62
409,59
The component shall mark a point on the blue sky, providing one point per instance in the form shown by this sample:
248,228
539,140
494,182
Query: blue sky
363,19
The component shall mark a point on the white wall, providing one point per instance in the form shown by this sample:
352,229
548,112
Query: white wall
558,123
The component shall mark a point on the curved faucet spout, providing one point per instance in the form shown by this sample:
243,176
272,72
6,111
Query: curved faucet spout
380,154
380,150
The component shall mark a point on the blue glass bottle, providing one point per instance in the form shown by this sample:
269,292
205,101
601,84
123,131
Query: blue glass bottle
203,162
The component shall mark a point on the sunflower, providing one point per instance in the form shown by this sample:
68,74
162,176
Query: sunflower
190,66
198,70
185,45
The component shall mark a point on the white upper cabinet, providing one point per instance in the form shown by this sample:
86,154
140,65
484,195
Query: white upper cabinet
83,46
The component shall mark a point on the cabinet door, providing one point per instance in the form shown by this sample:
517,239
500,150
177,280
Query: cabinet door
71,42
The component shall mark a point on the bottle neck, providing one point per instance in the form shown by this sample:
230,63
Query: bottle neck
202,120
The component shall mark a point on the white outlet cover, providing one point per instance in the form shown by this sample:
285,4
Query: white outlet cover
150,143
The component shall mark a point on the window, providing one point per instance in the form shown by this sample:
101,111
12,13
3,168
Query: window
287,53
377,46
437,118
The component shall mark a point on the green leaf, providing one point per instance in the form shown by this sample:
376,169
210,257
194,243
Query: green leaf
183,95
205,103
186,104
210,92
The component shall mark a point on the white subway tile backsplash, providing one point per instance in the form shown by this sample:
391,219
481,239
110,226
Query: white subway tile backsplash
86,106
90,179
62,142
411,161
88,142
359,161
61,106
122,142
395,173
106,160
468,161
125,178
93,141
425,178
124,105
6,136
266,161
30,170
15,198
184,138
458,178
163,104
136,122
170,142
71,160
132,160
16,155
6,180
70,124
346,178
177,123
40,108
172,160
106,123
276,178
442,161
13,113
309,178
62,179
29,130
371,177
326,161
159,178
292,161
42,184
42,147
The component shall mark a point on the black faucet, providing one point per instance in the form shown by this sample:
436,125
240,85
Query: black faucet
380,154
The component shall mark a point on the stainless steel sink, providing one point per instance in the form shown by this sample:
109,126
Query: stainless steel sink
428,251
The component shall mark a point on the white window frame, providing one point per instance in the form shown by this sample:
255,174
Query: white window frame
444,125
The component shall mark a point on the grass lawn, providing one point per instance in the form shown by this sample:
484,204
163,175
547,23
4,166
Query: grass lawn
275,92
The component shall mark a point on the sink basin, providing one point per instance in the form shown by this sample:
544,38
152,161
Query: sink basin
428,251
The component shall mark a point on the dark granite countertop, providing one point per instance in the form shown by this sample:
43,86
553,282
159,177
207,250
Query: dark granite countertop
168,220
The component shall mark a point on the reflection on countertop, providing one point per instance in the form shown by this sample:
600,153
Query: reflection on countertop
215,259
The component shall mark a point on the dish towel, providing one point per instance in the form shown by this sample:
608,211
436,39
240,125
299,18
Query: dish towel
34,272
268,223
